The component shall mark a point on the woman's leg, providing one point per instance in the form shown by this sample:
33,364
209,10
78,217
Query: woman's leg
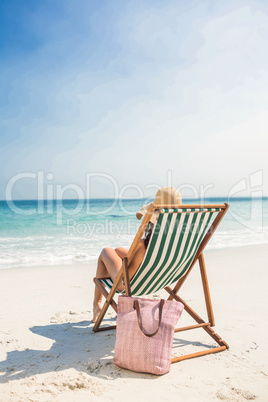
109,264
121,251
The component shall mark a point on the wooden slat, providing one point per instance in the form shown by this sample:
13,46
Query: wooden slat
126,276
205,324
212,229
140,232
105,328
109,300
99,284
197,354
184,206
206,290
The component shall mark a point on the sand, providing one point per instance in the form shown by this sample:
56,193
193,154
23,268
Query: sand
48,351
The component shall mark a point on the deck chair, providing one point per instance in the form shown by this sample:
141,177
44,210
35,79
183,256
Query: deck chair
177,242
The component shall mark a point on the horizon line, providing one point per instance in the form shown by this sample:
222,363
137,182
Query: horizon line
133,198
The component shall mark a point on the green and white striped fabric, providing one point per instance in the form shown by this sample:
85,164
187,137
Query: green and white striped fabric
172,247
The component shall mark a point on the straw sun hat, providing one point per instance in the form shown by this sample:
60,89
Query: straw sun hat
164,196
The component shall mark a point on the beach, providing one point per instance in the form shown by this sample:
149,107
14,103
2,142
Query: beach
49,351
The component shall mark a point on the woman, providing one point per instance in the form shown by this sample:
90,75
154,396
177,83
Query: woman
110,260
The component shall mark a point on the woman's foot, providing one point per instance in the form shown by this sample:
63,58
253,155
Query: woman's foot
96,312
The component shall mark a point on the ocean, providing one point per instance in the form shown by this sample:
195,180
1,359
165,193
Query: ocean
36,233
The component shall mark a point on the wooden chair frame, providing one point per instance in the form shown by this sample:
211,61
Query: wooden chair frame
173,293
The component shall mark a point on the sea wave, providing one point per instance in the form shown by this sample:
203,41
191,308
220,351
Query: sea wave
49,250
40,240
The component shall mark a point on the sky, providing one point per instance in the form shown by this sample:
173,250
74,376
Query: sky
118,98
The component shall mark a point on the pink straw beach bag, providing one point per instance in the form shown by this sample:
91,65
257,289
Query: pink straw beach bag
144,334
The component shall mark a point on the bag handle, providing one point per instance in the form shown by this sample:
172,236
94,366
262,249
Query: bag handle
136,306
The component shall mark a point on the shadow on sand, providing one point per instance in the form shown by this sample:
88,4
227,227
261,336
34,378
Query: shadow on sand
75,346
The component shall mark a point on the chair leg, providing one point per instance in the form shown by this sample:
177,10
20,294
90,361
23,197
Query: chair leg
104,308
202,353
201,324
109,301
99,284
206,290
198,319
